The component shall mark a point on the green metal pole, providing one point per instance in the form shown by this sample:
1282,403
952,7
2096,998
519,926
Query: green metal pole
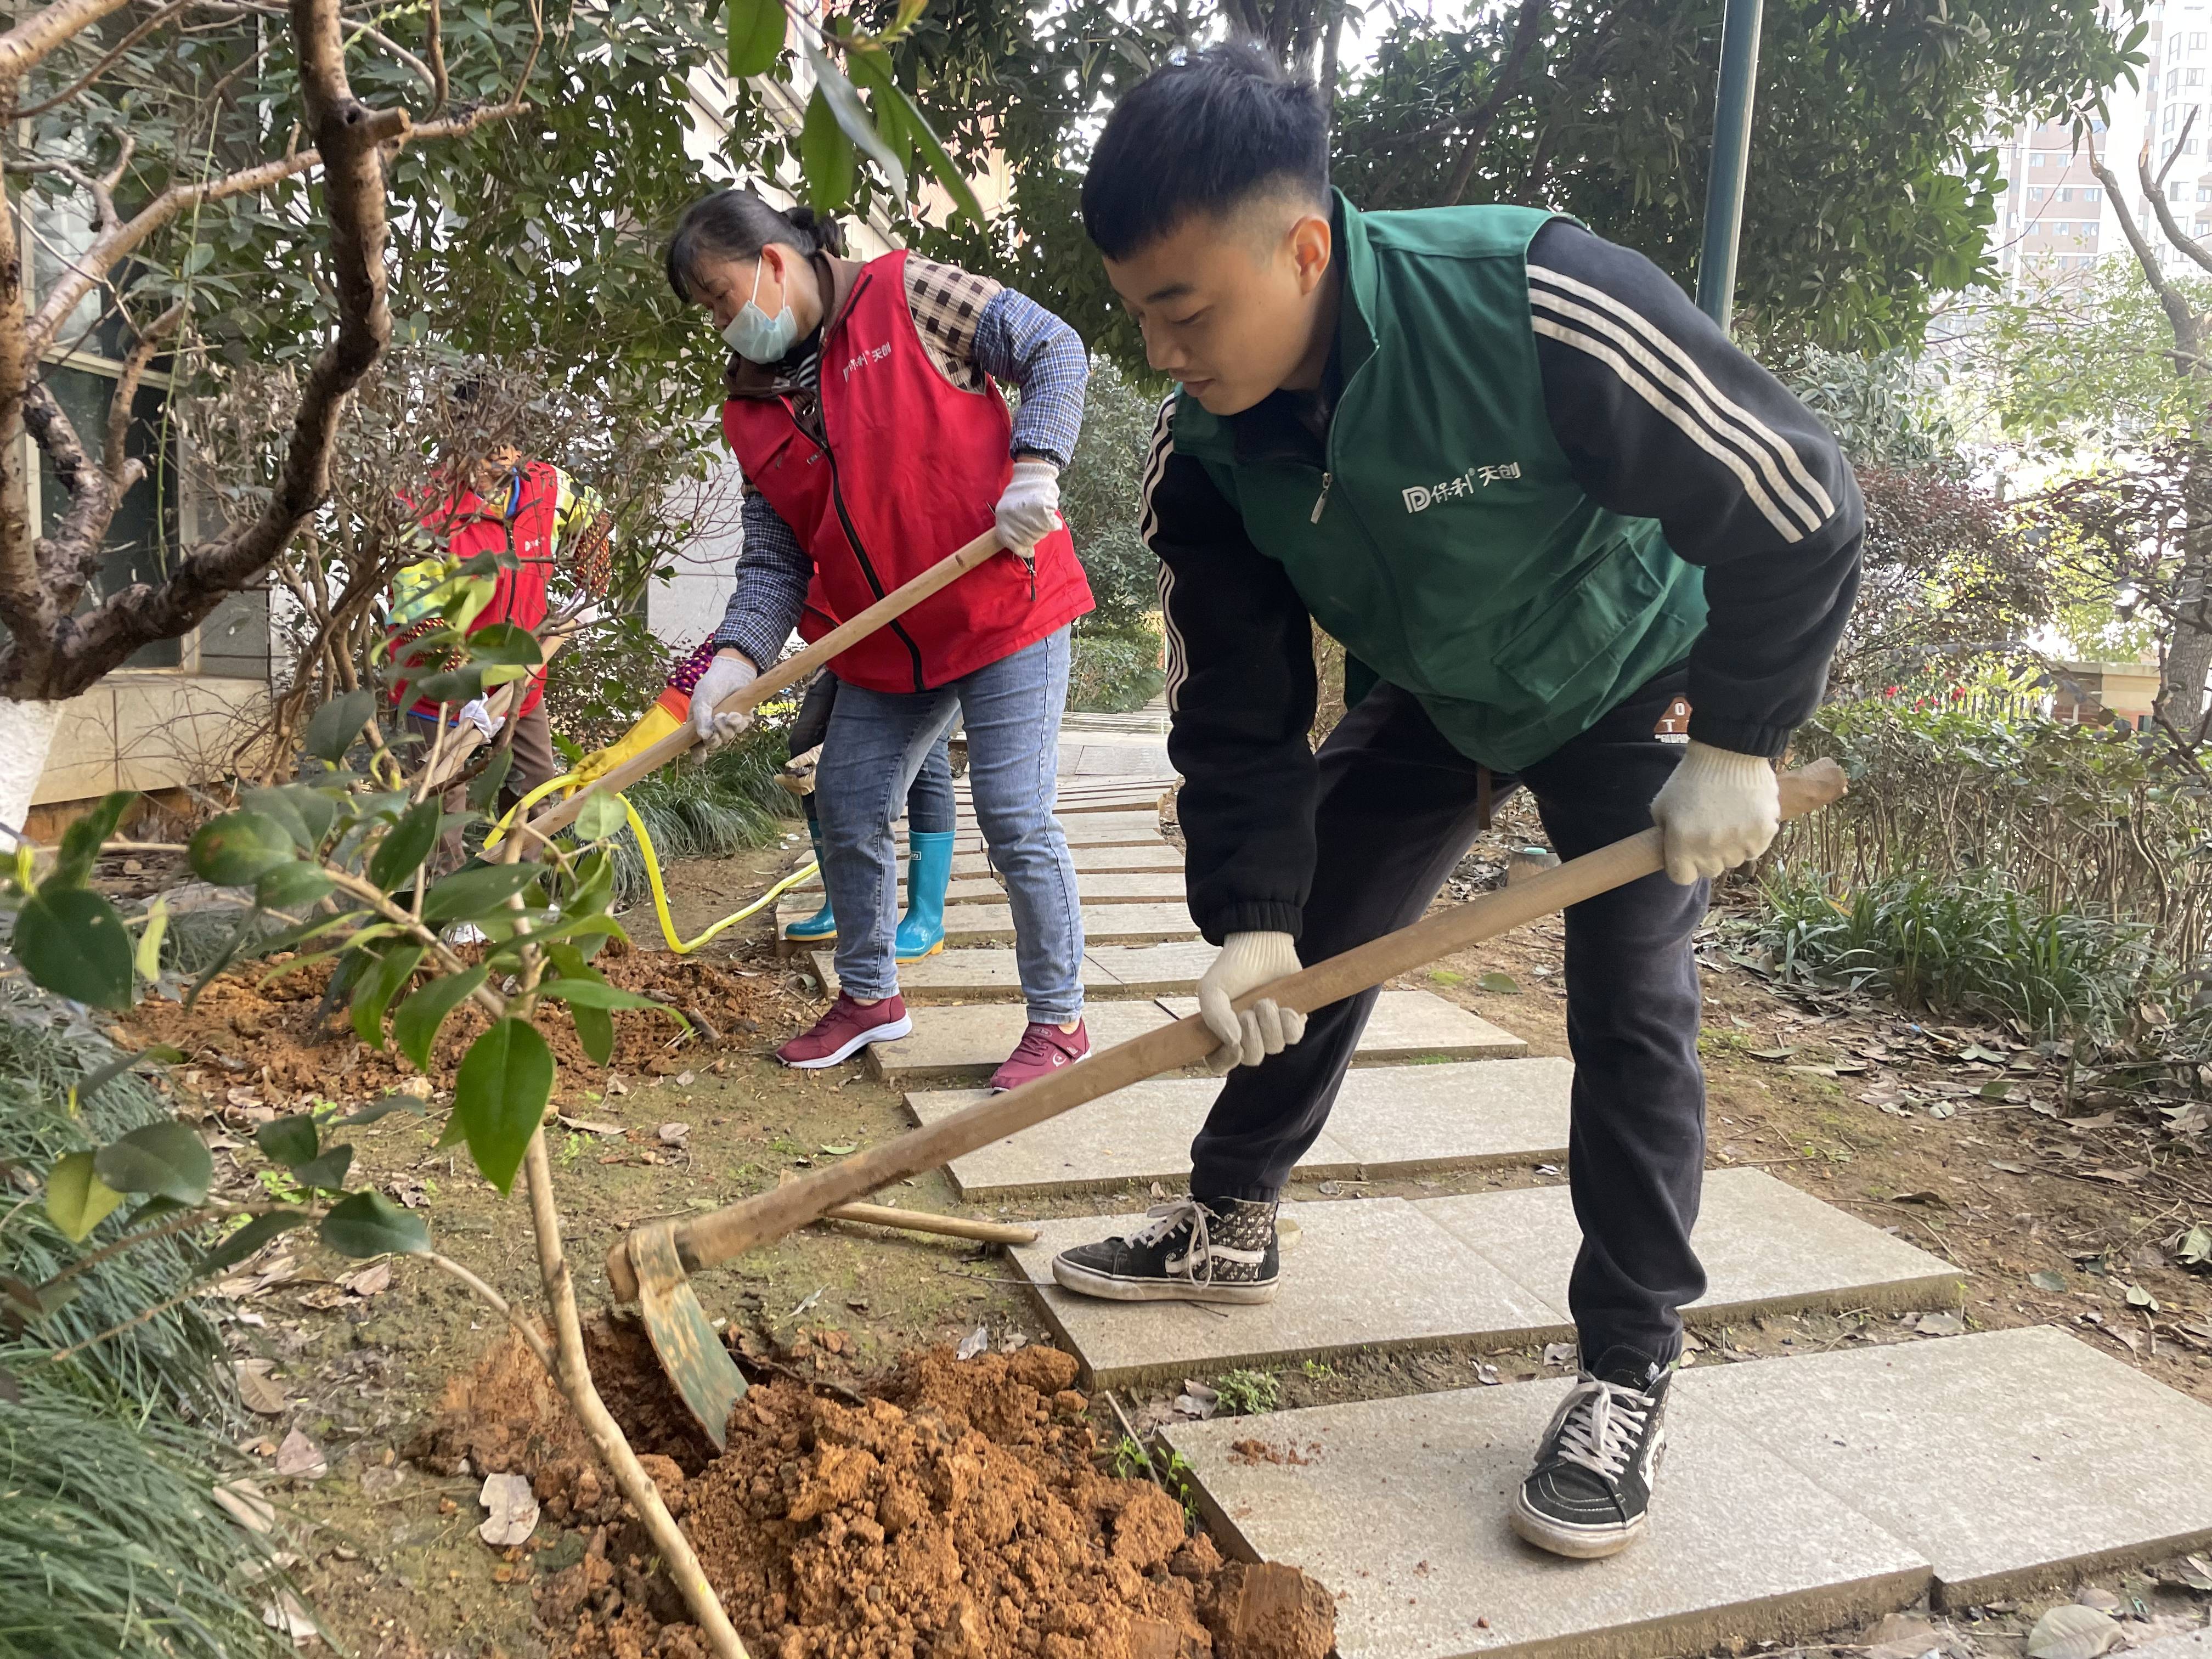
1731,159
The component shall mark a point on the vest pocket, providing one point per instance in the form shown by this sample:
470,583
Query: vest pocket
1593,625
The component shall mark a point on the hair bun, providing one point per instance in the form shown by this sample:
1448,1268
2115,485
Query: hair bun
821,231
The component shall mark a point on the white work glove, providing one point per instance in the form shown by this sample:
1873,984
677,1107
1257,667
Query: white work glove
728,674
1029,510
478,714
1264,1028
1719,809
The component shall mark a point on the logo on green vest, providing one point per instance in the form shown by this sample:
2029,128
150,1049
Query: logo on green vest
1420,497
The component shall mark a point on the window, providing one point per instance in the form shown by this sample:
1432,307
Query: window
2035,192
2192,77
2093,193
2205,193
2066,193
2035,158
2173,114
2173,191
2172,79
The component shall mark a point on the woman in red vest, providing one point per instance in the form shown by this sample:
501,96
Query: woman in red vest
864,407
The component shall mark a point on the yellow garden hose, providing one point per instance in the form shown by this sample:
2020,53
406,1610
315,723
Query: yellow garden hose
652,868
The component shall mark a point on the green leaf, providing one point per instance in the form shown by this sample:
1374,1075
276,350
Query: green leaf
291,887
338,723
147,958
235,849
73,943
595,885
470,893
415,1026
850,114
78,1199
453,685
327,1173
934,155
81,841
290,1141
499,1095
377,986
1504,985
506,642
165,1159
483,788
595,1031
306,813
405,845
755,36
603,814
248,1239
380,1109
2047,1280
827,159
598,993
369,1224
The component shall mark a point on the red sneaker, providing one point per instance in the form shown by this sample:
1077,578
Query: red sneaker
845,1030
1042,1050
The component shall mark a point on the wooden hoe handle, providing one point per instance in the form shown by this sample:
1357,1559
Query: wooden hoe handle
788,672
769,1216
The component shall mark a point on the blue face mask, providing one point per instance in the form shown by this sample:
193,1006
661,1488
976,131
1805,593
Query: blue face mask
755,336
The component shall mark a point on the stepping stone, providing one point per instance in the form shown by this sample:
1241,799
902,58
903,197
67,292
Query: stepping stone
1169,970
1413,1025
2013,1459
966,1044
993,924
1399,1507
1159,858
983,973
1393,1121
1123,924
1524,1236
1083,830
1371,1274
1113,887
1768,1247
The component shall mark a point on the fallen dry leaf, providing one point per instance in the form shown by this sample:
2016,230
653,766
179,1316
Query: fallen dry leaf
1940,1324
257,1390
369,1281
241,1500
513,1512
672,1134
2070,1631
592,1125
300,1459
974,1343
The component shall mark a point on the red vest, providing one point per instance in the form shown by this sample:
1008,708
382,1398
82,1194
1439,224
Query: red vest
469,526
912,469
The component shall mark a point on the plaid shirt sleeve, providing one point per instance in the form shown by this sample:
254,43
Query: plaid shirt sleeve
973,327
773,574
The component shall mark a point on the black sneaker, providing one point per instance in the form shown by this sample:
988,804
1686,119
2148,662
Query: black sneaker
1590,1494
1190,1251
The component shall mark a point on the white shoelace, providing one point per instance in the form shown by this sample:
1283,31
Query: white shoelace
1165,1219
1599,1425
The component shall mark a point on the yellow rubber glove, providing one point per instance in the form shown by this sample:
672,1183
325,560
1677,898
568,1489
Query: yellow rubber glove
655,724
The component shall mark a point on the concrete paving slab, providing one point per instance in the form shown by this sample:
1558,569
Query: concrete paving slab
1387,1121
1111,924
1414,1026
1768,1248
965,1044
1369,1274
1160,857
2191,1644
1399,1507
2011,1459
981,973
1097,887
1134,1135
1084,829
1169,970
993,924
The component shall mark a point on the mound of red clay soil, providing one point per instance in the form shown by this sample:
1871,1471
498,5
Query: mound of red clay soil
958,1512
281,1035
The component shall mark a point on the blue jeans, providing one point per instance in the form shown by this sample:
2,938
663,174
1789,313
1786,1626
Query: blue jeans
878,741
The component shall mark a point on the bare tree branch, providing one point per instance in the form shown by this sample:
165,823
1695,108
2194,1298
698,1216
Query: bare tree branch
20,588
106,61
2166,222
22,47
1509,75
2183,320
144,350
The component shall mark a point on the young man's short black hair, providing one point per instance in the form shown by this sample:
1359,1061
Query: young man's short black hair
1203,136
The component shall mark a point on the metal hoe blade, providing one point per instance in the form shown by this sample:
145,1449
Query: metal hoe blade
690,1350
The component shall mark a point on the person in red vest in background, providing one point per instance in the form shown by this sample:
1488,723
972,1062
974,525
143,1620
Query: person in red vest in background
863,406
544,525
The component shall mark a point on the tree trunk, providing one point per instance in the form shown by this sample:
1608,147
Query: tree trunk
2189,654
26,737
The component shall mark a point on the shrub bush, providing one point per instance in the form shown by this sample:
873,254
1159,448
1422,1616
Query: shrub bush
1115,673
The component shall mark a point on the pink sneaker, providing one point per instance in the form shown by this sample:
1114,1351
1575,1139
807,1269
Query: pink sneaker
845,1030
1042,1050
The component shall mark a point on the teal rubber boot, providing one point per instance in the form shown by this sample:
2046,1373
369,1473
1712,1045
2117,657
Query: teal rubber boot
823,924
928,874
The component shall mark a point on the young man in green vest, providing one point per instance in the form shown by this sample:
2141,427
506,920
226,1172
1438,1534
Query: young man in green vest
1540,498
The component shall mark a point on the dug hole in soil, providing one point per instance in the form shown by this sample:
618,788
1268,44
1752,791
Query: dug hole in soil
957,1511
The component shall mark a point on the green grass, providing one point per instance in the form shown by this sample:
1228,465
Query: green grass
1968,944
109,1540
1249,1393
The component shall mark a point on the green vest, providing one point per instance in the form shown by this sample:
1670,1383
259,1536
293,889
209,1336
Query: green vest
1446,545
